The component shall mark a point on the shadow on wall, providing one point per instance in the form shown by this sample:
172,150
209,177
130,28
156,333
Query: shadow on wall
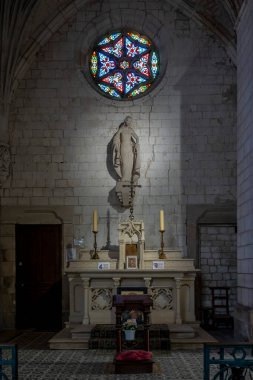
114,249
112,198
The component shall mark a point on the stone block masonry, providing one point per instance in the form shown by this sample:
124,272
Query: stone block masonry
244,167
218,261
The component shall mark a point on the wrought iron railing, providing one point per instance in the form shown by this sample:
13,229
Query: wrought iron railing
8,362
228,361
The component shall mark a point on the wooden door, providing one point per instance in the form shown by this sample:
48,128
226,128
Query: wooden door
131,250
38,277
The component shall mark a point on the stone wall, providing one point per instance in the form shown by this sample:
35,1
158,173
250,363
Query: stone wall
245,170
62,128
218,261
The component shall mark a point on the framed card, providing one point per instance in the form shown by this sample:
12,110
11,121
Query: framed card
131,262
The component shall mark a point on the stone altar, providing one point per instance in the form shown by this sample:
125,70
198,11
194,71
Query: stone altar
94,282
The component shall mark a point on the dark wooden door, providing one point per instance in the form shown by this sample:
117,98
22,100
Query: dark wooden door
38,276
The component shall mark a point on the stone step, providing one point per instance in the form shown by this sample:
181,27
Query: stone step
182,331
181,337
63,340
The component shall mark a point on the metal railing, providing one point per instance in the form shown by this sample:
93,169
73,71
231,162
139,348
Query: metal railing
8,362
228,361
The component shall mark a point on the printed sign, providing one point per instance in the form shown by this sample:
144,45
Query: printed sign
158,264
103,266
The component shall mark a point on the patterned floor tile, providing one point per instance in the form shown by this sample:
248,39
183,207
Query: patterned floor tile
97,365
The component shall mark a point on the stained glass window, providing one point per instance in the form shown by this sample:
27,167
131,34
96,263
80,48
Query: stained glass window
124,65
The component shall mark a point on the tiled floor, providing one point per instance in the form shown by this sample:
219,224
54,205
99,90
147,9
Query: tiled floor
37,362
97,365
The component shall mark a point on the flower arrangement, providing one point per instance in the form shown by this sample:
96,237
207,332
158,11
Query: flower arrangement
130,324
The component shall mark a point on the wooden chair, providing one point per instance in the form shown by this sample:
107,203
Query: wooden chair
220,307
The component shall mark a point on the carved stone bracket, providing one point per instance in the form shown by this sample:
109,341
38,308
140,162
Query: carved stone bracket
123,192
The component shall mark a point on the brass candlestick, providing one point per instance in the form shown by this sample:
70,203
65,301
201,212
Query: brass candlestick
161,253
95,254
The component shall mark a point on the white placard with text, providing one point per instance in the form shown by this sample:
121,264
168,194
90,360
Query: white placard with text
158,264
104,266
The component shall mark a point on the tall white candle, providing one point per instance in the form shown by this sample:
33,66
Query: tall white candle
161,220
95,221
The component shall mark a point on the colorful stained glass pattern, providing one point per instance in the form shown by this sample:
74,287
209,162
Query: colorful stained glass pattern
154,64
142,40
110,38
115,80
124,65
94,64
134,49
132,81
116,49
140,90
105,64
142,65
108,90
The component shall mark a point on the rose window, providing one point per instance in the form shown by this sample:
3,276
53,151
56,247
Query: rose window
124,65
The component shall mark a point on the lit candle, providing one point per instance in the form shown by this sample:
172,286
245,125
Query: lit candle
95,221
161,220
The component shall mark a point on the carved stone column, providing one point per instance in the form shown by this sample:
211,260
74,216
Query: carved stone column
122,248
141,248
147,281
178,300
71,297
116,284
191,315
86,288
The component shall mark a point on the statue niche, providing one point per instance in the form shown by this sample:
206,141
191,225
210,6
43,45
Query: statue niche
126,161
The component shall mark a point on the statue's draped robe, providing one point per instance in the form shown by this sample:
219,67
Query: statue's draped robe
126,154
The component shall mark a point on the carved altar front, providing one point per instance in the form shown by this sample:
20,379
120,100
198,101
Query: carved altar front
171,289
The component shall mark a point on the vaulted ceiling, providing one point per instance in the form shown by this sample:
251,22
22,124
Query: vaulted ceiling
26,25
217,15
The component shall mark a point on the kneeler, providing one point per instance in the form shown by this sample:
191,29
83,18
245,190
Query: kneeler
134,361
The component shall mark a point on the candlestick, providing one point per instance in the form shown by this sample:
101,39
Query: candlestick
95,254
161,253
95,221
161,221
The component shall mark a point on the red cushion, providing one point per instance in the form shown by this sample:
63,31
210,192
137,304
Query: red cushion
134,355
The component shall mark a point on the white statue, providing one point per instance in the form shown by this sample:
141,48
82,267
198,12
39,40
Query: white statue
126,162
126,152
